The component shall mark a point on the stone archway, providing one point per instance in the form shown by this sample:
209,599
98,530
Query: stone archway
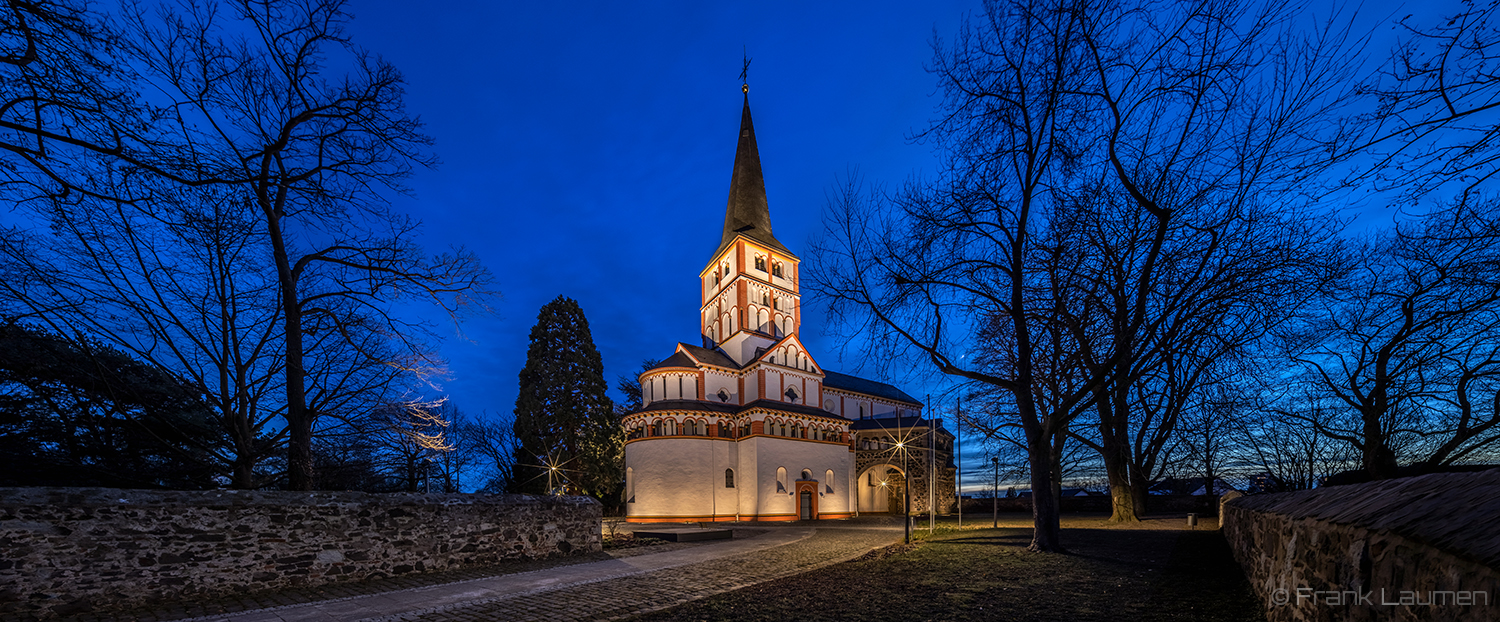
880,488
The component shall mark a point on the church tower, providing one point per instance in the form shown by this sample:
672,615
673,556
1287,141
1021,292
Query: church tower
750,288
748,425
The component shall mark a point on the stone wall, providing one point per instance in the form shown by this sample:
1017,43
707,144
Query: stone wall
1420,548
69,550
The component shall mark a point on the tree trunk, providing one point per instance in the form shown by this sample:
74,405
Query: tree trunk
299,456
1379,460
1115,449
1046,533
1121,495
1140,489
243,470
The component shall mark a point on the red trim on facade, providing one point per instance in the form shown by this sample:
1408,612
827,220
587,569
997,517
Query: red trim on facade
721,518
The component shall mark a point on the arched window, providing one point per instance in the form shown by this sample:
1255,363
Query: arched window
689,428
669,427
629,485
828,481
780,479
729,478
806,474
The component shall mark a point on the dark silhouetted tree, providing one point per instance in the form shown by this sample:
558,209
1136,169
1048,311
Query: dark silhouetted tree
568,432
75,412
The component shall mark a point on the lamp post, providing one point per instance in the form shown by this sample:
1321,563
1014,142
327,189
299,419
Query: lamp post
905,488
995,494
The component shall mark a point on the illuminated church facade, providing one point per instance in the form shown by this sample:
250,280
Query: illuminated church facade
749,426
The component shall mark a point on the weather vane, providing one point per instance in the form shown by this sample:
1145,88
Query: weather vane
745,72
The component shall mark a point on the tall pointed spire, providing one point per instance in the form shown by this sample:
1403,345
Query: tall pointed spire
748,213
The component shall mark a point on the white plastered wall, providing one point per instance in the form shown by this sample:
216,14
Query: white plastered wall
682,477
795,456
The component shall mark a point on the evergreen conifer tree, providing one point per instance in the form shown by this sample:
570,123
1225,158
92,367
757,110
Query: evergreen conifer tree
564,419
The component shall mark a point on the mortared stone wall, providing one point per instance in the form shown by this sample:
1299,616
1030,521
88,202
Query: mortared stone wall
70,550
1419,548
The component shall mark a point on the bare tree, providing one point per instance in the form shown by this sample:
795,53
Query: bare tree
183,286
1280,441
495,444
1409,346
1203,246
1426,117
241,99
945,259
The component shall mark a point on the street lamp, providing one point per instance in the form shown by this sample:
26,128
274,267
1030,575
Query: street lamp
905,487
995,494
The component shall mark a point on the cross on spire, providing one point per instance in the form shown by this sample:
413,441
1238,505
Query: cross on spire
744,74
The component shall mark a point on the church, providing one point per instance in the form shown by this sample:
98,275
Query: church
749,426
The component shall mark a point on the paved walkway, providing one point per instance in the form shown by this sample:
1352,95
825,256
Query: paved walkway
603,590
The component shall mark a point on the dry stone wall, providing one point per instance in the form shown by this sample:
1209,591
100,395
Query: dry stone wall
1421,548
69,550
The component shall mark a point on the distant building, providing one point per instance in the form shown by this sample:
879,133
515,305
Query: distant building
1263,483
749,426
1189,486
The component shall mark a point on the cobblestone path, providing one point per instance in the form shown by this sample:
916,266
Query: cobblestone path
651,591
604,590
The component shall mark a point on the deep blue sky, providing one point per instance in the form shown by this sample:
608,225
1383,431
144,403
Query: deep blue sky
587,149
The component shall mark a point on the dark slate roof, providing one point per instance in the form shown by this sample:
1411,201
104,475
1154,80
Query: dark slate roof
711,357
855,384
748,213
713,405
804,409
678,359
891,423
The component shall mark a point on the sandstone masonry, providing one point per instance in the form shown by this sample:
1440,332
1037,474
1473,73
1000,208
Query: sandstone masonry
1421,548
68,550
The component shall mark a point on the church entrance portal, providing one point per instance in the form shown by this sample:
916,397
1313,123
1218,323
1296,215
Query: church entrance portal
807,499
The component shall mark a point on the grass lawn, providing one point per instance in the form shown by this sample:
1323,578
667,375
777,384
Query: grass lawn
1158,570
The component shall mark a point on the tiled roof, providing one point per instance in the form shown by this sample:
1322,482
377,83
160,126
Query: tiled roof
677,359
855,384
893,423
710,357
